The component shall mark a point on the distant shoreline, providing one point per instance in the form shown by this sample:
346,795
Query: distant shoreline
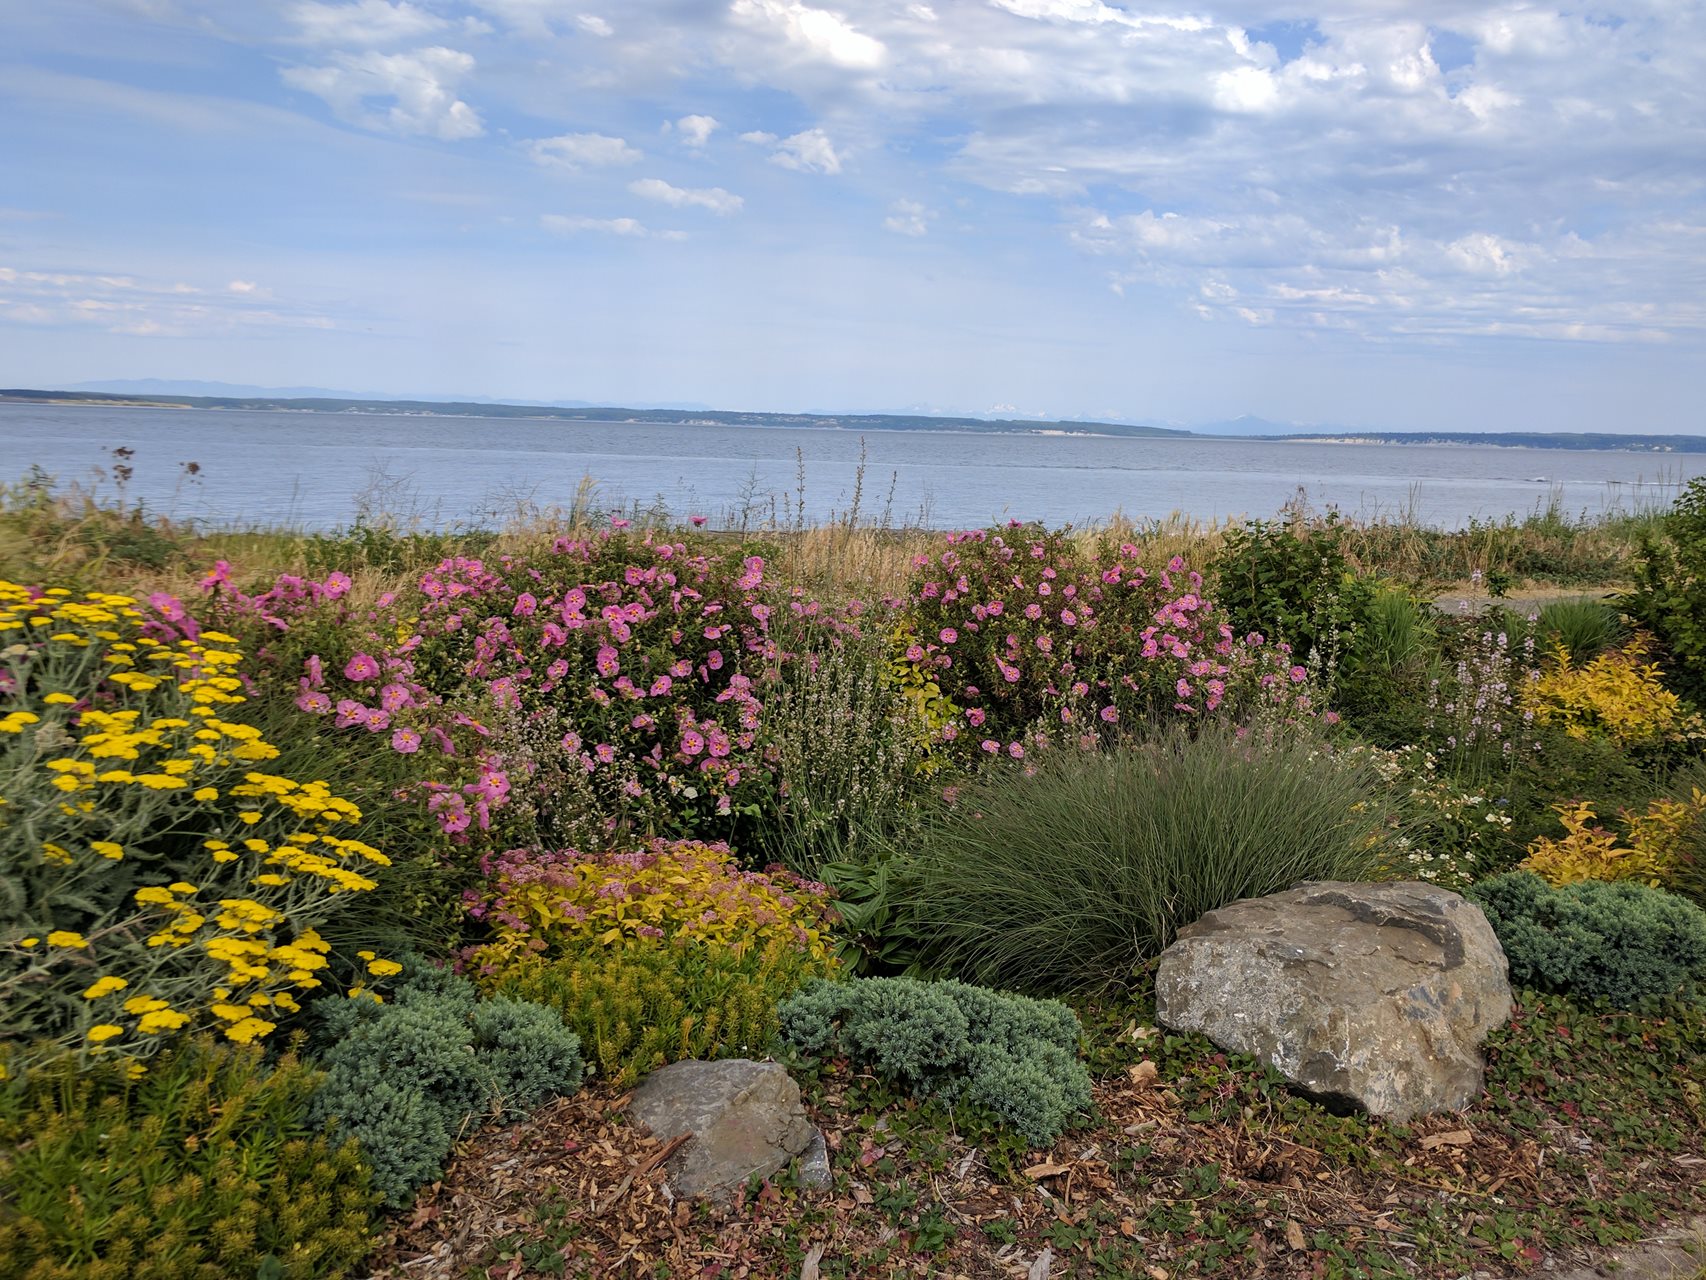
1066,429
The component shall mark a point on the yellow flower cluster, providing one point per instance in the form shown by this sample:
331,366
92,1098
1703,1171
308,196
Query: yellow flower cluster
1615,696
1591,852
116,738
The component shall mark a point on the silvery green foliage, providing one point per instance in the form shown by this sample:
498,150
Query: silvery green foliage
1620,941
406,1077
1012,1054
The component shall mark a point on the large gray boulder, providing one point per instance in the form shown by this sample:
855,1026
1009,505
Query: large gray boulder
745,1118
1377,996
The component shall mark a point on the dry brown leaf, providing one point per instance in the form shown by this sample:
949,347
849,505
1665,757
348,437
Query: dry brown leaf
1045,1170
1143,1074
1456,1138
1294,1236
808,1264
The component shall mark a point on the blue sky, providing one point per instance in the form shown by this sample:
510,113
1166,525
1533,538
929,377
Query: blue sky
1443,215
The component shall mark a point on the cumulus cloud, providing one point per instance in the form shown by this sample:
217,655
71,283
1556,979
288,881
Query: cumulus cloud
364,22
696,131
814,34
907,218
420,88
715,199
564,224
575,151
594,25
809,151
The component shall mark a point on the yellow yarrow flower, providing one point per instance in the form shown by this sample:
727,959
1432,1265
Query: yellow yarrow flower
66,938
104,987
105,1031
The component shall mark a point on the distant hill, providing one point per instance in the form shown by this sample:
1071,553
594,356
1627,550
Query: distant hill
589,413
1587,440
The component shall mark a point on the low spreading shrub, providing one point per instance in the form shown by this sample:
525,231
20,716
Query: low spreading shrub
1012,1055
154,879
1290,580
1622,942
202,1167
1072,872
405,1077
638,1007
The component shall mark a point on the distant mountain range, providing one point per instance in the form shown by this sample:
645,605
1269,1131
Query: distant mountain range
152,392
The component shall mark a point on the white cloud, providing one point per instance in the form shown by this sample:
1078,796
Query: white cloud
594,25
809,151
758,137
419,86
696,131
242,286
631,228
907,218
137,306
364,22
575,151
715,199
816,34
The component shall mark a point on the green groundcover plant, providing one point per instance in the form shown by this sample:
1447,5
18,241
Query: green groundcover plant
1071,872
1013,1055
204,1166
1614,940
407,1076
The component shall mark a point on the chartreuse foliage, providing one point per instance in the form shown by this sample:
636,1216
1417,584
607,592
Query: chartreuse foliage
202,1167
406,1076
655,956
1591,939
1656,843
1614,695
154,879
1013,1055
638,1007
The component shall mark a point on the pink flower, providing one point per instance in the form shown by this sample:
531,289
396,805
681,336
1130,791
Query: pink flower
406,741
216,577
606,661
1015,750
1331,717
525,604
692,743
316,672
754,574
311,700
361,667
1109,714
337,585
948,635
661,686
605,752
1298,675
991,746
394,697
377,719
571,742
698,521
975,717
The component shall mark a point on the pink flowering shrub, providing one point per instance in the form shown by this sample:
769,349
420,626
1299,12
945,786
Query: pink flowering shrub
612,684
1031,638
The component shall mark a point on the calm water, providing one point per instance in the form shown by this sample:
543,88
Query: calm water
319,471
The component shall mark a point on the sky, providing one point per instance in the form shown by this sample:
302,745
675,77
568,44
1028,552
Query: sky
1439,216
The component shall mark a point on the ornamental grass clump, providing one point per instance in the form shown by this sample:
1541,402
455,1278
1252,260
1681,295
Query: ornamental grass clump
1069,874
407,1076
203,1167
1619,941
155,878
1014,1056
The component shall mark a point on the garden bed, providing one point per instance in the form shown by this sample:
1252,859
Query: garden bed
1194,1165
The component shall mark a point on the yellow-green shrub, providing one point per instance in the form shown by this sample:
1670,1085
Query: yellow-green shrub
1651,845
152,879
1615,696
544,905
639,1006
202,1167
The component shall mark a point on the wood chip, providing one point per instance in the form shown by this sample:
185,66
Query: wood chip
1456,1138
1045,1170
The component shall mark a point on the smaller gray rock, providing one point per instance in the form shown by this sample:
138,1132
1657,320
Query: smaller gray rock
815,1171
745,1119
